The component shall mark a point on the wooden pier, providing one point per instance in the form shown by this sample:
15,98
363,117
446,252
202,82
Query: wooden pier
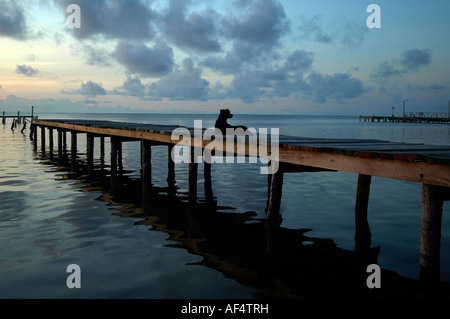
425,164
411,118
19,118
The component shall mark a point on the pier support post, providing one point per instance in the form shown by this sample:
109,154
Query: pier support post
50,142
102,152
90,153
60,147
146,162
170,166
363,235
73,150
209,196
433,198
43,140
193,175
146,172
33,135
114,151
275,194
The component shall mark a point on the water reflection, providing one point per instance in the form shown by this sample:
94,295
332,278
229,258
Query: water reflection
275,261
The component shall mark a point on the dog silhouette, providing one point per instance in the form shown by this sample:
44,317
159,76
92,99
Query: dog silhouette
222,121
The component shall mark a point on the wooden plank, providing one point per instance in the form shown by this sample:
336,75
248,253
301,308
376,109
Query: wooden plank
419,172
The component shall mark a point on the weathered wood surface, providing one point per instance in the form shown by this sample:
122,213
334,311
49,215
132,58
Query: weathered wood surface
429,164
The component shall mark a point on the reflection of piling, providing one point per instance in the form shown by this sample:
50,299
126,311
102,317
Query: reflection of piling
430,241
362,230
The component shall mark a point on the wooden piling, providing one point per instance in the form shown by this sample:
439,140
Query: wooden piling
430,239
3,118
146,164
193,175
73,150
275,194
102,152
170,166
90,153
43,140
33,136
114,147
60,146
50,142
209,195
363,235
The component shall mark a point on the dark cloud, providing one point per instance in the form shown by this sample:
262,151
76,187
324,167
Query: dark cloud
88,89
119,19
339,86
261,22
96,56
27,70
386,70
12,20
137,58
184,83
433,87
414,59
197,31
132,86
411,61
254,34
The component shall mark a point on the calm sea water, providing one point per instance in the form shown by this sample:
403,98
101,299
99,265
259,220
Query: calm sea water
51,217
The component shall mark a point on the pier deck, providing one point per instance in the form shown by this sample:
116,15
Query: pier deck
425,164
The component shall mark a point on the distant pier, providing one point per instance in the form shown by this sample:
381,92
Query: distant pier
412,117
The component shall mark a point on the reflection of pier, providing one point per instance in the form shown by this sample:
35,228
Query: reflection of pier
429,165
277,262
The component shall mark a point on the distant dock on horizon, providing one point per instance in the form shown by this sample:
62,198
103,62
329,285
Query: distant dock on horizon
411,117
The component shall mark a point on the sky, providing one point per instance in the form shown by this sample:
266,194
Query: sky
321,57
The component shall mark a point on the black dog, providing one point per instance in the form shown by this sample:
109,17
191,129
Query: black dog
222,123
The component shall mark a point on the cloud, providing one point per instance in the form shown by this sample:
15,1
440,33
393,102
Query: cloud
96,56
197,31
254,35
1,88
411,61
137,58
415,59
132,86
261,23
386,70
294,77
88,89
184,83
349,33
120,19
12,20
339,86
27,70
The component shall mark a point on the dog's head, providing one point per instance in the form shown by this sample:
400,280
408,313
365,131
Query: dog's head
226,113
